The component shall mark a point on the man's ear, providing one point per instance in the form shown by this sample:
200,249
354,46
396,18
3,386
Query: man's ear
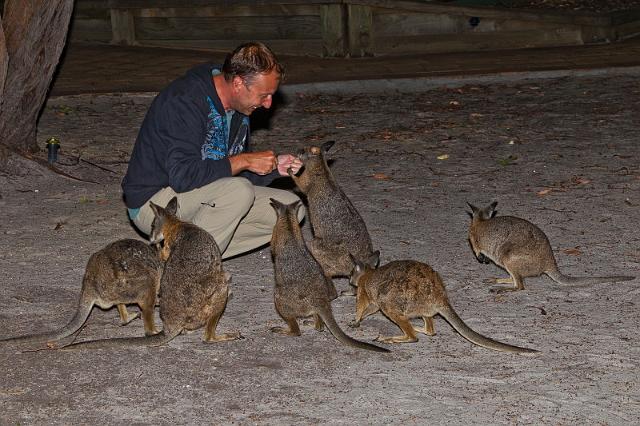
237,83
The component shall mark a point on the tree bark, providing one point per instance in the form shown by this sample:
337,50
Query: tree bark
34,36
4,58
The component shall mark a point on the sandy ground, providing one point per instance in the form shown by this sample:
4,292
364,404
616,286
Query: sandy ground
562,153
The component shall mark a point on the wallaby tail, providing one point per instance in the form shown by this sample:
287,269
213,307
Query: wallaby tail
122,342
75,325
560,278
327,316
465,331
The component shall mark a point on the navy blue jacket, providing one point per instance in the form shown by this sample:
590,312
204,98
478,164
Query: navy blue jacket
184,143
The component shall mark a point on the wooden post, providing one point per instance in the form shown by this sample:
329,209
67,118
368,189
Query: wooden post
332,23
360,25
123,29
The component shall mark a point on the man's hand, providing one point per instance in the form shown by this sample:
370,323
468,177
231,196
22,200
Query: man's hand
261,163
286,161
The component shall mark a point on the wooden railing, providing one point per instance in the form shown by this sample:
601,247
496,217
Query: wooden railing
341,28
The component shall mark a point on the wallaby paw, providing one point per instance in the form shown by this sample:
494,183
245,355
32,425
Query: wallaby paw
152,332
129,318
350,292
282,330
500,290
424,331
224,337
354,324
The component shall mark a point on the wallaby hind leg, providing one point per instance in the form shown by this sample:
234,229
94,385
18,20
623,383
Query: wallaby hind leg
125,316
317,322
148,312
333,257
428,329
405,325
516,280
148,306
293,330
210,335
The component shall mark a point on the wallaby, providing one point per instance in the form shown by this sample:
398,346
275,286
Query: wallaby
125,271
193,287
406,289
301,287
338,228
520,247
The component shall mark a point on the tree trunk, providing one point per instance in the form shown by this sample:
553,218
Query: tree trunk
34,35
4,58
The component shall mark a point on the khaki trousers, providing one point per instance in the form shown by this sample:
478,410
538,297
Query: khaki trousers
233,210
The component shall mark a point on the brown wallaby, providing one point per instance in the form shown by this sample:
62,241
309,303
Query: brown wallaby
125,271
520,247
301,287
406,289
338,228
193,286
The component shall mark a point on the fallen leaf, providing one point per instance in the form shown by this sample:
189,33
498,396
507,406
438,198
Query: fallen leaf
544,192
579,180
573,251
381,176
443,157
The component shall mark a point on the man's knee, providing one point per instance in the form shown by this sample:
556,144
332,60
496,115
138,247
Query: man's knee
236,191
242,190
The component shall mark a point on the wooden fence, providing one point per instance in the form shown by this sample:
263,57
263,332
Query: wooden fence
340,28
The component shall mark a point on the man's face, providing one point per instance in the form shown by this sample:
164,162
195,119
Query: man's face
258,93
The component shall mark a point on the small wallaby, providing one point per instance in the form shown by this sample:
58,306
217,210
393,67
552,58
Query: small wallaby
406,289
520,247
301,287
193,286
125,271
338,228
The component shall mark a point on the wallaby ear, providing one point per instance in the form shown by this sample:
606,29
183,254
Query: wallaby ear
296,207
357,265
157,210
374,259
473,211
227,277
278,206
327,146
172,206
492,209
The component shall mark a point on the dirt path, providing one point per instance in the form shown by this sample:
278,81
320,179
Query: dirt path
562,153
